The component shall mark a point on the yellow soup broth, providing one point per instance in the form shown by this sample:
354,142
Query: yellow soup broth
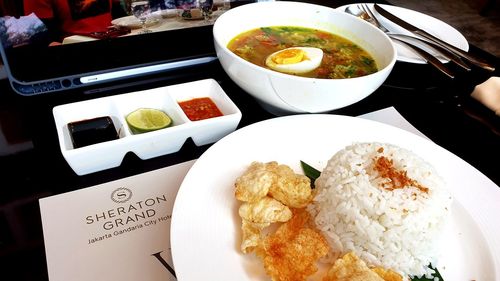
341,57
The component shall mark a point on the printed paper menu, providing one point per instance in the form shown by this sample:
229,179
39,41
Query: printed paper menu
114,231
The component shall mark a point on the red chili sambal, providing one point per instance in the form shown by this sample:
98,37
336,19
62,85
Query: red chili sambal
200,108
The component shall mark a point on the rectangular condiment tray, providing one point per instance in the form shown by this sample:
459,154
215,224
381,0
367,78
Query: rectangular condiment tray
109,154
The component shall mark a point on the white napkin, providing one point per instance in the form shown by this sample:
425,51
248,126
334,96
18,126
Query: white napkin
488,93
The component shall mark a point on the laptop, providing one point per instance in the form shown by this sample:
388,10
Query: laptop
34,66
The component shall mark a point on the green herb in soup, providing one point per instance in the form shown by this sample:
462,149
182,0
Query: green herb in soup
341,58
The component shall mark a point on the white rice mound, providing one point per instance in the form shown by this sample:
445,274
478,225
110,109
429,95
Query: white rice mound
398,229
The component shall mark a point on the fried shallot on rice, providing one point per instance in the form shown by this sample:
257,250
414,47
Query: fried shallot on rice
291,253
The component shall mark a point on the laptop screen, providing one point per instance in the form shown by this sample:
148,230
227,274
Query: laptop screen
41,53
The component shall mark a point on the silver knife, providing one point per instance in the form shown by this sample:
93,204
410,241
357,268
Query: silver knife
428,57
469,57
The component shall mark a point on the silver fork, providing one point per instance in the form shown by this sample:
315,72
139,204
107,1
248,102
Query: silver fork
368,16
443,51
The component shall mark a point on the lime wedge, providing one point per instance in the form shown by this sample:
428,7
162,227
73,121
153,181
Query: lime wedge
147,119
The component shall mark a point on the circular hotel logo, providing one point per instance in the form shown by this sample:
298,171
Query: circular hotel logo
121,195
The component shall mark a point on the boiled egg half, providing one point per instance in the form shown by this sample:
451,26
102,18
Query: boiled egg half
295,60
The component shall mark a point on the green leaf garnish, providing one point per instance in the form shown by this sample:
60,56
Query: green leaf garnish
310,172
423,278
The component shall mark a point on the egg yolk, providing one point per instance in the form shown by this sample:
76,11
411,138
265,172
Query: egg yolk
289,56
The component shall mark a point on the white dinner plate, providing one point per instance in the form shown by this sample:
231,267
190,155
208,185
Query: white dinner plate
425,22
134,23
205,230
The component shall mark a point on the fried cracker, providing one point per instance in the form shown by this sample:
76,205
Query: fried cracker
291,253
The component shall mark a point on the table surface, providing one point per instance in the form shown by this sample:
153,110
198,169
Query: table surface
33,167
170,21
